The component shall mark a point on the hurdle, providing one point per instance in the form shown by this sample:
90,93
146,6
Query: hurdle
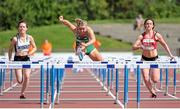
23,65
166,65
59,66
136,64
76,65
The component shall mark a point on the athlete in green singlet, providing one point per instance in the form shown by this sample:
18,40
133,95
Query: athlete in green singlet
85,37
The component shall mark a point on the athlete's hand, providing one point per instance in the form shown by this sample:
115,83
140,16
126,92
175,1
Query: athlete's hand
10,60
83,46
30,55
61,18
141,47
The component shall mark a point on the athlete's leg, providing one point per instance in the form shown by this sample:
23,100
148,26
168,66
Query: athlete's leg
95,55
146,77
155,75
19,75
26,80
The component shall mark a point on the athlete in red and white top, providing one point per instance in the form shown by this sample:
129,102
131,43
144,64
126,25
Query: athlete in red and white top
147,42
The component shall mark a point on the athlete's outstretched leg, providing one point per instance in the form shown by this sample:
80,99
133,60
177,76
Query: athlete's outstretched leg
95,55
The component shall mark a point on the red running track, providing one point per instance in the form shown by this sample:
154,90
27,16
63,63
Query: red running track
83,90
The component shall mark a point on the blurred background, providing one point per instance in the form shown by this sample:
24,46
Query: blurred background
112,21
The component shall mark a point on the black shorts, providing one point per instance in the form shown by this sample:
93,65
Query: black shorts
21,58
149,59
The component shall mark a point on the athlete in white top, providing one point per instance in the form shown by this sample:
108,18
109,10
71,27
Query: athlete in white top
21,43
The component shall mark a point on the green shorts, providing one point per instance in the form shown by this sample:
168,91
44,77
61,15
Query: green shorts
89,49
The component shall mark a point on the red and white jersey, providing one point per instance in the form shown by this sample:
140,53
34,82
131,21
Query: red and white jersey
149,43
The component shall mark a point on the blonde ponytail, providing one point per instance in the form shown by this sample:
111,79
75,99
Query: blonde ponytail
80,22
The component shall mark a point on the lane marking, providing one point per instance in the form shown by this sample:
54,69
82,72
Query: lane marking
105,88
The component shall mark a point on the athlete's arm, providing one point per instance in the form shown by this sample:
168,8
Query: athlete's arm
137,45
164,44
32,43
67,23
11,47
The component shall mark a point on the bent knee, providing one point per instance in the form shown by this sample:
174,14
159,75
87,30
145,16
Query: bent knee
155,80
26,77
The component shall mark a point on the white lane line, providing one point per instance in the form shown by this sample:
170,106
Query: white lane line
105,88
172,96
167,94
14,85
50,106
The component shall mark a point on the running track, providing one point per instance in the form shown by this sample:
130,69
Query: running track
84,90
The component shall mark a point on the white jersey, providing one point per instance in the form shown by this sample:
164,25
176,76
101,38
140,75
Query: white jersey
22,46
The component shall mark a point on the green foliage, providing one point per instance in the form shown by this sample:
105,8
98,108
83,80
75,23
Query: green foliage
162,9
46,12
96,9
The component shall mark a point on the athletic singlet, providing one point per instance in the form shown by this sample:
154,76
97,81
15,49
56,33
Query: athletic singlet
80,39
149,43
85,39
22,46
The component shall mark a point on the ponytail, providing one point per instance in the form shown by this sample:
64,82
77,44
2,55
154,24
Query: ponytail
80,22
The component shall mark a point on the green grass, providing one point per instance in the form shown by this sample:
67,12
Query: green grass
61,38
